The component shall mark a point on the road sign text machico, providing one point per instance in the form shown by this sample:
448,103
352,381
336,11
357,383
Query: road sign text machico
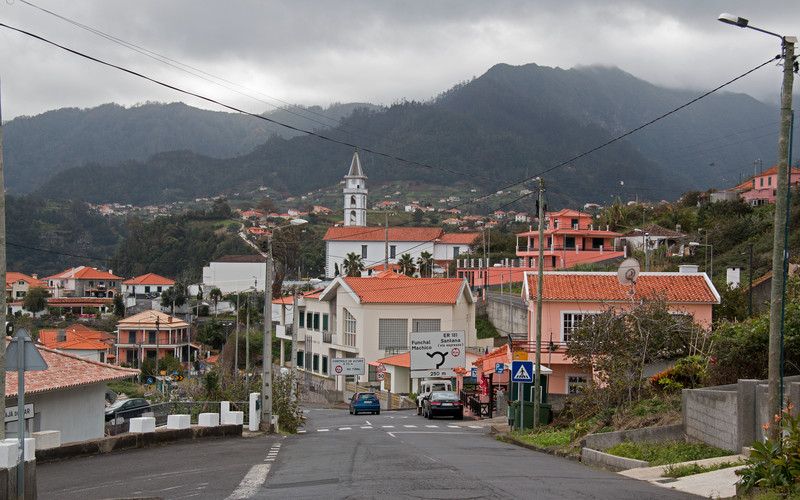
435,354
348,366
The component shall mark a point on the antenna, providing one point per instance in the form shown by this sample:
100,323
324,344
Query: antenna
628,272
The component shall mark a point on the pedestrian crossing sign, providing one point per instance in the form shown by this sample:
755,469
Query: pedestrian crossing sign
522,371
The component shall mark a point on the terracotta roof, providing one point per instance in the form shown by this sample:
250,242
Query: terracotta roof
149,279
595,287
80,344
12,277
241,258
147,319
459,238
63,371
379,233
404,290
85,273
78,301
49,337
402,360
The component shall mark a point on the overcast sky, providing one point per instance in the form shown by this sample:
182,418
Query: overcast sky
260,54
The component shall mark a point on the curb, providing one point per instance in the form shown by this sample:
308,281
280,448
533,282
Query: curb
502,435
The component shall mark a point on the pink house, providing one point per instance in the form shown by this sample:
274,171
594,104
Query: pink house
570,297
760,190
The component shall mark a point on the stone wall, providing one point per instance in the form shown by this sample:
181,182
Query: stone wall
509,314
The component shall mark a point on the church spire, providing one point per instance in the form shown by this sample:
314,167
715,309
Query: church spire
355,195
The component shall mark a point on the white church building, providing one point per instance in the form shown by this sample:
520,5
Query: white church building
381,245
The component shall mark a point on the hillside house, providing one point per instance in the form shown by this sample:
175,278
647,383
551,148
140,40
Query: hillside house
149,334
570,297
84,281
81,341
146,285
18,284
371,318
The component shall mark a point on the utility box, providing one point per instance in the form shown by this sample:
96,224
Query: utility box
527,423
525,389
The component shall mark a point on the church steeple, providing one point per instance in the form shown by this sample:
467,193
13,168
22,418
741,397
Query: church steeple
355,195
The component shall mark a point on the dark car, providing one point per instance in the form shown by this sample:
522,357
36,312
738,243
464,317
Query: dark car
365,401
127,408
442,403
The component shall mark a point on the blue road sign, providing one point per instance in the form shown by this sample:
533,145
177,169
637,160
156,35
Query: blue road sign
474,373
522,371
498,368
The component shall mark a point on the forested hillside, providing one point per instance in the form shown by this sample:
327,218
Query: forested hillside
509,124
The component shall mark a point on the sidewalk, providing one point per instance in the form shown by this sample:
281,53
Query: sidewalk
716,484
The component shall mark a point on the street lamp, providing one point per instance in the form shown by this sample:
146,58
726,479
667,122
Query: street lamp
696,244
775,369
266,363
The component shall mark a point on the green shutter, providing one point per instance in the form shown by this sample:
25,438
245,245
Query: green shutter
300,358
324,322
302,319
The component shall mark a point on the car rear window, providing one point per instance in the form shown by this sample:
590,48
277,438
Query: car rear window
445,396
367,395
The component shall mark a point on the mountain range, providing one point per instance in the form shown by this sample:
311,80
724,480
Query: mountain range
582,130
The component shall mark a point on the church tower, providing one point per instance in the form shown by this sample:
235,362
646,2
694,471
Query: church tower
355,195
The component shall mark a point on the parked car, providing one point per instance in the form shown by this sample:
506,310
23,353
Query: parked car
426,387
365,401
127,408
443,403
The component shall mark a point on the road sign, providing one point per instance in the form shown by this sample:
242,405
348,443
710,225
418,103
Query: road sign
522,371
521,355
435,354
474,372
381,375
348,366
498,368
381,368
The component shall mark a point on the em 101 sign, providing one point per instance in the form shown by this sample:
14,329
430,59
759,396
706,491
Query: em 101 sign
348,366
435,354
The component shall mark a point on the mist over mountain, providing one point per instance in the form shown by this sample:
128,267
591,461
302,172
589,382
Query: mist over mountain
512,123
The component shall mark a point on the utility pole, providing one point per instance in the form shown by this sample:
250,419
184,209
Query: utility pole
775,365
386,245
537,389
295,326
266,359
3,278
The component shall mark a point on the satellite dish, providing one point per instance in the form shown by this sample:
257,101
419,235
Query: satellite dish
628,271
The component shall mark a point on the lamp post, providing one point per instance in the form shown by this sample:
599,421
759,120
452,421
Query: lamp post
775,378
696,244
266,363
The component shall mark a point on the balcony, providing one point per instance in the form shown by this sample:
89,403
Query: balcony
328,338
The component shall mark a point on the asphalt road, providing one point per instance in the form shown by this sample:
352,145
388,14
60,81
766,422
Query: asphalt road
391,455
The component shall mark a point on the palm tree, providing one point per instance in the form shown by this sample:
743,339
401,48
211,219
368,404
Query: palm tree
216,295
425,262
406,263
353,265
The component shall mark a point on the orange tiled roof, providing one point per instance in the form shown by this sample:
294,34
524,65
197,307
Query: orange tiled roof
80,344
401,360
63,371
78,301
147,319
407,291
77,331
379,233
149,279
85,273
463,238
12,277
594,287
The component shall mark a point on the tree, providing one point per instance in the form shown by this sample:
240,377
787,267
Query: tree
216,295
353,265
36,299
616,344
425,262
406,264
119,306
212,333
174,297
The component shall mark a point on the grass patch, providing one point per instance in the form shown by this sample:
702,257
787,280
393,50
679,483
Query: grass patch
666,452
676,471
546,438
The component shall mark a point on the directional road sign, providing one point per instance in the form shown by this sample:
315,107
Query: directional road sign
435,354
522,371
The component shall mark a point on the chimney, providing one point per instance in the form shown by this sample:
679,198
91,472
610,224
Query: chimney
35,276
688,269
61,336
734,275
677,228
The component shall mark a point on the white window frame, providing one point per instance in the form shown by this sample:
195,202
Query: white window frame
350,326
576,384
566,332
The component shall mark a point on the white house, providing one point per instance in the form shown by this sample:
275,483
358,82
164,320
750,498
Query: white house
235,273
146,285
69,396
372,318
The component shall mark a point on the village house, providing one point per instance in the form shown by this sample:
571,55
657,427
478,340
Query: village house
18,284
84,281
372,318
81,341
147,285
149,334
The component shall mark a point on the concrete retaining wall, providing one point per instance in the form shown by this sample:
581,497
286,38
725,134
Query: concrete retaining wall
606,440
710,416
507,319
128,441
